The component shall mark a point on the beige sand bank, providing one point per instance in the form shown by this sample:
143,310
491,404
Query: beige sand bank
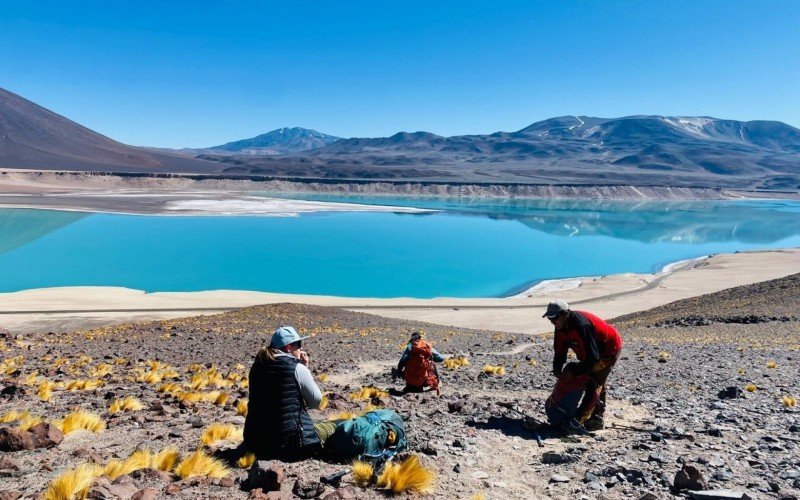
66,308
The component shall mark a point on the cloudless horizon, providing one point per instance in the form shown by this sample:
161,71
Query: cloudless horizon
199,74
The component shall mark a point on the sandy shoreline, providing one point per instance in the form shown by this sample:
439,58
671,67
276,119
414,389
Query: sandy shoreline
67,308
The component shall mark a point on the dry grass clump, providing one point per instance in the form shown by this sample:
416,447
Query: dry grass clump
166,459
342,415
789,401
140,459
127,404
28,421
772,364
494,370
13,415
45,390
362,473
368,392
73,484
323,402
101,370
750,387
408,475
322,377
83,384
201,464
246,460
208,378
455,363
532,362
241,407
80,421
170,388
10,365
220,432
221,399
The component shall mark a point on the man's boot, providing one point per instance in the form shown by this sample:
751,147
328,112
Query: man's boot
595,423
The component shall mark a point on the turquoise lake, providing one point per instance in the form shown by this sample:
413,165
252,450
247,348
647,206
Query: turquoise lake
470,248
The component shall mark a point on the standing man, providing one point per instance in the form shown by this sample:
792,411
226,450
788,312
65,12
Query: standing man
596,345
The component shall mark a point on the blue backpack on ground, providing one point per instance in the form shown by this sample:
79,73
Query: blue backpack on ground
372,437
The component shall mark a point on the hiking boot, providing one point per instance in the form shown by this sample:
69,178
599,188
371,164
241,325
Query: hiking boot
594,424
571,426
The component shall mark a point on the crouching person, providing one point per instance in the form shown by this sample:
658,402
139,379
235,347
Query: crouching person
418,365
282,390
578,400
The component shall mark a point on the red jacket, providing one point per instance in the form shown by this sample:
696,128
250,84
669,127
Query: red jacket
589,337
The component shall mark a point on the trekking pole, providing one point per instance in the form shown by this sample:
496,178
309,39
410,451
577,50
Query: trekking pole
334,479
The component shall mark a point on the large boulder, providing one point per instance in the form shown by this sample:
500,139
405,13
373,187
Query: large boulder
13,439
689,478
47,435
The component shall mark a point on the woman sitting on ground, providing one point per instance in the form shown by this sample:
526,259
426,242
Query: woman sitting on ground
282,390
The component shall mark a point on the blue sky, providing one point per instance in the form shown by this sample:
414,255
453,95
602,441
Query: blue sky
198,73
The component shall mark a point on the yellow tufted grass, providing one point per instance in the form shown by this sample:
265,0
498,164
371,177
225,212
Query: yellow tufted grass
246,460
408,475
201,464
126,404
80,421
220,432
494,370
368,392
28,421
140,459
241,407
750,387
169,388
73,484
13,415
455,363
83,384
221,399
772,364
45,390
166,459
342,415
362,473
789,401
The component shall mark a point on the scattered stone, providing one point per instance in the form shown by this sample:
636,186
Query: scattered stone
689,478
265,475
47,435
145,494
9,495
731,392
103,489
455,406
13,439
346,493
553,457
7,463
559,478
307,489
648,496
227,482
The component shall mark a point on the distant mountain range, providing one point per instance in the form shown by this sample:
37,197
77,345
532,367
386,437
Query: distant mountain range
33,137
280,141
635,150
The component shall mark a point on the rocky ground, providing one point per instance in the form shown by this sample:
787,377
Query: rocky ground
669,412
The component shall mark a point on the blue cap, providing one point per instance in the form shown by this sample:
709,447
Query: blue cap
284,336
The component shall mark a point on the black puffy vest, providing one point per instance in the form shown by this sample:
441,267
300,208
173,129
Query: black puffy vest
277,423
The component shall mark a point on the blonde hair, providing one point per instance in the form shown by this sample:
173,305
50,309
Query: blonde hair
267,354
